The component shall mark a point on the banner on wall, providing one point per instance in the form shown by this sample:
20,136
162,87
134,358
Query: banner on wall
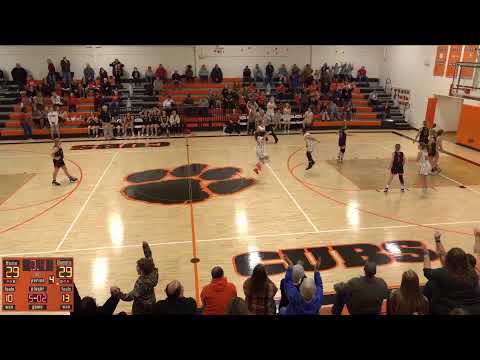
454,56
469,55
440,60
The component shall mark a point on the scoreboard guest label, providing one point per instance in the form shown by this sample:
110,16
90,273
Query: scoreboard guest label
37,284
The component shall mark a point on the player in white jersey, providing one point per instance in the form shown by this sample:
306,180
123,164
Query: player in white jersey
261,148
310,145
53,120
424,165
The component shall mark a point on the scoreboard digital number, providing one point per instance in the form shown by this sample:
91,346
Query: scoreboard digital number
37,284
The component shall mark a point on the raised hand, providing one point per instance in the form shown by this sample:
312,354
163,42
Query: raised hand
437,235
287,259
318,262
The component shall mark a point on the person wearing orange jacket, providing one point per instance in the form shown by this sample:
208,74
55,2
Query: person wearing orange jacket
216,295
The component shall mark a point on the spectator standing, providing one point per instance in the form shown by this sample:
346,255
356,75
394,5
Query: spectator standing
203,73
307,298
247,75
260,292
136,76
307,75
408,299
175,303
106,119
218,294
348,111
51,67
216,74
455,285
257,74
269,70
149,75
363,295
188,105
88,73
161,73
117,70
157,86
115,102
189,74
106,88
176,78
102,75
66,74
19,76
143,293
298,275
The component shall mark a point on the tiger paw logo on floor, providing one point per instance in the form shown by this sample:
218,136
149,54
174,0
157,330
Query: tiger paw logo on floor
177,186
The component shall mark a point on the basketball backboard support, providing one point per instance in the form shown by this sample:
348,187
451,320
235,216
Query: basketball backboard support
466,81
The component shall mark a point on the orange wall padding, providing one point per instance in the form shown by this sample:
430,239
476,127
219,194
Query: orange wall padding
468,132
431,107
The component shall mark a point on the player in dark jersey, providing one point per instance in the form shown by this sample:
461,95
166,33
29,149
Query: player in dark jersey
396,168
58,163
342,143
422,135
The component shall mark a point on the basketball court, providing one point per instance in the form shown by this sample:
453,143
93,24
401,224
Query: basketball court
139,190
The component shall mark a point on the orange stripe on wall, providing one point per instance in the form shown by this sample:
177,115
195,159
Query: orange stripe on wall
431,107
453,57
440,60
468,132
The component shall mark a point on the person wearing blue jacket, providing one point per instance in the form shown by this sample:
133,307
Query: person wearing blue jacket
307,299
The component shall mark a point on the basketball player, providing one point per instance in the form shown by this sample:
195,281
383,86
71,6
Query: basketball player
307,119
261,148
53,119
342,143
58,163
422,134
287,115
310,144
396,168
436,152
270,128
424,165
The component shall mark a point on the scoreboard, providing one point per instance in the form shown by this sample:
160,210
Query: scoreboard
37,284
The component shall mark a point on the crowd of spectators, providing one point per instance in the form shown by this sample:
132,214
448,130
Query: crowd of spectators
453,288
326,92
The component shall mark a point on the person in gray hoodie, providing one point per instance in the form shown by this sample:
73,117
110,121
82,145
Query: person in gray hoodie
143,293
89,73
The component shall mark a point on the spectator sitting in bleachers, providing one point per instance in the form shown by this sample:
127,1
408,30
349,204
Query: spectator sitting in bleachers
373,98
65,88
189,74
362,74
237,306
149,75
88,305
305,299
216,75
56,99
257,74
136,76
175,303
363,295
218,294
203,106
106,88
88,73
157,86
115,102
143,293
282,74
176,125
39,118
188,105
324,112
161,73
72,102
203,73
176,78
260,292
168,104
408,299
247,75
295,80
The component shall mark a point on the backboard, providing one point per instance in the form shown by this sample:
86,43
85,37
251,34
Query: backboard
466,81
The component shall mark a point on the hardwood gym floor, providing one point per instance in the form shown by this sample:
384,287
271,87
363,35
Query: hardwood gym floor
101,222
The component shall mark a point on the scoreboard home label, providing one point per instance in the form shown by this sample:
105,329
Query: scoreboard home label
37,284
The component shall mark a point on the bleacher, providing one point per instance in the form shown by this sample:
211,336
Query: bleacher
364,116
